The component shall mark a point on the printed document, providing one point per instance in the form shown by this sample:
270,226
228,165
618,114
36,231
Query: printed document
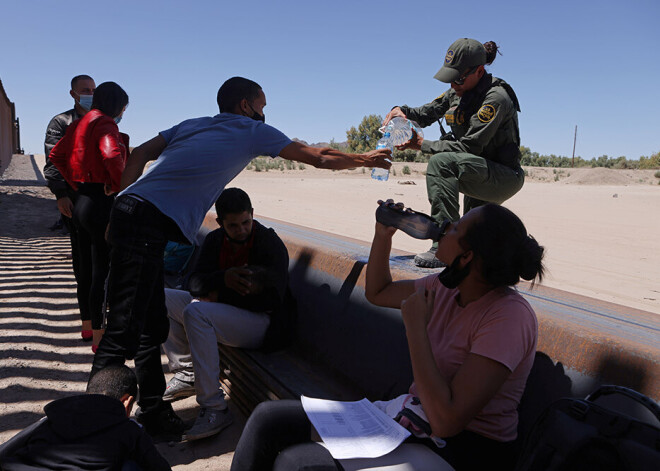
353,429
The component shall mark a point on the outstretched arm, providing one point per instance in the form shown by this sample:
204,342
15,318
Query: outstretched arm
137,159
334,159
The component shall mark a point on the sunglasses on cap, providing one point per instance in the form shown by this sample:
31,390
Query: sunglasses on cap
461,80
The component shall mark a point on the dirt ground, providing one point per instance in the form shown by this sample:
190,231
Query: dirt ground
600,227
42,357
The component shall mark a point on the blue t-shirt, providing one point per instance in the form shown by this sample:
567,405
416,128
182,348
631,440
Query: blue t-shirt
202,156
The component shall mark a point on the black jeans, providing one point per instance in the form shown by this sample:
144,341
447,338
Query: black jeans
137,321
91,214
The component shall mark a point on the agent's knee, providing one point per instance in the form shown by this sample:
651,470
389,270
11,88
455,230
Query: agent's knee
442,164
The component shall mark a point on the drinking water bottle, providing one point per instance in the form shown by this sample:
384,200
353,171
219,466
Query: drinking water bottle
398,131
417,225
377,173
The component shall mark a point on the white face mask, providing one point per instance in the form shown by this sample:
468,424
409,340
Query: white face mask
85,102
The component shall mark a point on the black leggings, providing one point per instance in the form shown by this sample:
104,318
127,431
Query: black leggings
91,214
277,437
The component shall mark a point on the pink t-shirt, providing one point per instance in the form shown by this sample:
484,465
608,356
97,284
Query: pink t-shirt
502,326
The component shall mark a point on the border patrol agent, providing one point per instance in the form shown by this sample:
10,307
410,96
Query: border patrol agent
480,157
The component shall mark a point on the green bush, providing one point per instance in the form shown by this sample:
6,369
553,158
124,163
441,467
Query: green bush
405,170
657,174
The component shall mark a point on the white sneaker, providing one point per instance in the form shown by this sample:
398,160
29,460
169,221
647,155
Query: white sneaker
177,389
209,422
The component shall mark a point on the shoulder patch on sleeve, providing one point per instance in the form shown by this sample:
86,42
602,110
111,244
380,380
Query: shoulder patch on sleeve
486,113
439,98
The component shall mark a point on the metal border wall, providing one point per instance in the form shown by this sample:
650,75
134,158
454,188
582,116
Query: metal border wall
9,131
594,341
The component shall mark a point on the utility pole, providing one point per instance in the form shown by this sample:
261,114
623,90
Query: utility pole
574,139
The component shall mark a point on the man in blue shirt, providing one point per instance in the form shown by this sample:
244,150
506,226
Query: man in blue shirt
194,162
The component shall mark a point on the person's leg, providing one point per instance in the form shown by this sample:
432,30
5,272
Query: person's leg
176,346
177,349
137,246
310,456
442,175
272,427
81,253
496,185
207,324
97,224
407,457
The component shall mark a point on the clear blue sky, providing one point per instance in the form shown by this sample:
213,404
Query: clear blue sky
325,65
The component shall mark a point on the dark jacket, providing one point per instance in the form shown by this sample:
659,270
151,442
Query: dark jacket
54,132
86,432
269,257
91,151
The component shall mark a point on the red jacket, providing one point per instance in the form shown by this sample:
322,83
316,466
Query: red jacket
91,151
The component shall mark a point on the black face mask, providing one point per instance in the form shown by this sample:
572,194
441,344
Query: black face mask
452,276
256,116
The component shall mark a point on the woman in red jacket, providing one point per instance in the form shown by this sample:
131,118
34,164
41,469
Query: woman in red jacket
91,157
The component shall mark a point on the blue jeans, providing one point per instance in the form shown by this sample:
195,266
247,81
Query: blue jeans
137,321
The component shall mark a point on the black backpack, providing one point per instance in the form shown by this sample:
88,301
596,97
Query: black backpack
578,434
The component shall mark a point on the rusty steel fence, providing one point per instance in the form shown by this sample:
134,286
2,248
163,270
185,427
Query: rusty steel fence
10,142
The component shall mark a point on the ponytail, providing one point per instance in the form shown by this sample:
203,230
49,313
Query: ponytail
491,51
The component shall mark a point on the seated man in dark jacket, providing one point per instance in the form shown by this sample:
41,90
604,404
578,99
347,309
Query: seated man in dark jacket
238,296
87,432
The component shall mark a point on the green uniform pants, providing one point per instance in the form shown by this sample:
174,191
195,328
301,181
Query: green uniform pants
480,180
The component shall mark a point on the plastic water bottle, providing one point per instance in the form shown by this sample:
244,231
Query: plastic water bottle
377,173
398,131
417,225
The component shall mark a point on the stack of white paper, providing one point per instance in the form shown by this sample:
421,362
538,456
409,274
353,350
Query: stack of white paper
354,429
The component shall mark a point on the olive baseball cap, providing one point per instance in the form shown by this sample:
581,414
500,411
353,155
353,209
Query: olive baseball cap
462,55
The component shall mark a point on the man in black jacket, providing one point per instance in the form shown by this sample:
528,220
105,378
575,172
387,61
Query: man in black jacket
82,90
241,299
87,432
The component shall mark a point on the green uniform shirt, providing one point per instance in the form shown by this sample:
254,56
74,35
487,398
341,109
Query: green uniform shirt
484,121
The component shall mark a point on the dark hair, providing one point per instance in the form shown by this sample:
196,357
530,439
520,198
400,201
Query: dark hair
491,51
113,381
232,201
109,98
74,80
234,90
507,253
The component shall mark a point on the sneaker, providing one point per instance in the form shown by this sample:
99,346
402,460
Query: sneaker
177,389
209,422
164,422
428,260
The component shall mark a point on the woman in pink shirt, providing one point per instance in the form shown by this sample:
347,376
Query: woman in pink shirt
472,338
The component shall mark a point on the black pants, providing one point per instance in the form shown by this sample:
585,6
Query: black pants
82,283
137,320
277,436
91,214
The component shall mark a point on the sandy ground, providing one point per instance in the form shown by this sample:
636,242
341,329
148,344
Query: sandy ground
599,226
